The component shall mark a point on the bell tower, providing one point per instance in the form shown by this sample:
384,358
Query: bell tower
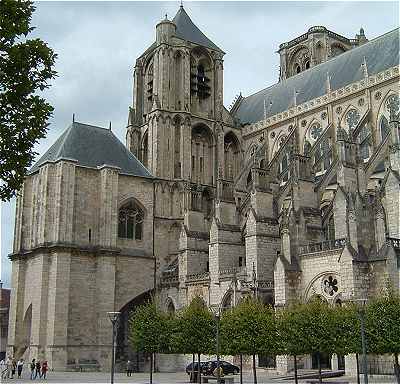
177,84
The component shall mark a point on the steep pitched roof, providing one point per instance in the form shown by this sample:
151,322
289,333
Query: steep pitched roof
187,30
380,54
93,147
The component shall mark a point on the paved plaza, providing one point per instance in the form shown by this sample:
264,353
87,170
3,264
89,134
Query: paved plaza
171,378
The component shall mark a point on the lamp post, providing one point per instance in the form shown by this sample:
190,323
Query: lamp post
113,316
216,309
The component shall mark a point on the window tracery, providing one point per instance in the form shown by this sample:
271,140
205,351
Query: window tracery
390,109
352,118
130,221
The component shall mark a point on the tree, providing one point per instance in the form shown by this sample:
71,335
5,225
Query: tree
150,331
26,66
290,328
383,327
316,327
195,331
249,328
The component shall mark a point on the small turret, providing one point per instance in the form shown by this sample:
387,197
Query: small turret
164,31
361,39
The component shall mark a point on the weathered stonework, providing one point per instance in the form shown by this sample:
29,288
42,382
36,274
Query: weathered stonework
286,197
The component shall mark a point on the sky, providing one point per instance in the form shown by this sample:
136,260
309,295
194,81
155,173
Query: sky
97,44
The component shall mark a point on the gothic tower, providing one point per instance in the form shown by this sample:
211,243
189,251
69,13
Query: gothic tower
177,101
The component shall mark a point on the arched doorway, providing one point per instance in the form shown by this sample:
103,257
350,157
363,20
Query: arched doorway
124,350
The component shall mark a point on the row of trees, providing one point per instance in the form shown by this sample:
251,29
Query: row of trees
253,328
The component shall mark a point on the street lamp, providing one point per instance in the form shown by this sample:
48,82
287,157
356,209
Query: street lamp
216,309
113,316
361,312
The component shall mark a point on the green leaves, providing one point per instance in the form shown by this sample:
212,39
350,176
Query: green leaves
150,329
194,329
383,324
26,67
248,328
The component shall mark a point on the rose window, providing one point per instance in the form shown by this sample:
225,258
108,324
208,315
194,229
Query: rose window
352,118
330,285
315,131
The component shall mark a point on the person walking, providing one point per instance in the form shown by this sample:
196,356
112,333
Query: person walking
32,367
7,372
45,368
13,367
3,369
129,368
37,369
20,366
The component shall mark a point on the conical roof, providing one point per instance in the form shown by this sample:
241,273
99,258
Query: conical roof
187,30
92,147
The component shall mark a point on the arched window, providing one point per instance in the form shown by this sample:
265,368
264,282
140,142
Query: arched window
130,221
203,88
319,53
177,148
307,65
231,154
179,73
149,87
365,141
201,155
297,68
352,118
227,302
145,150
390,109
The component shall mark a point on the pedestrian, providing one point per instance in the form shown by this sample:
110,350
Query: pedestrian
45,368
129,368
7,372
13,367
32,367
3,369
20,365
37,369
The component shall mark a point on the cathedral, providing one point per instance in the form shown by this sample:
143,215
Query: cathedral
292,192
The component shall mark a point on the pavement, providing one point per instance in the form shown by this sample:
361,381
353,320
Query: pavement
264,377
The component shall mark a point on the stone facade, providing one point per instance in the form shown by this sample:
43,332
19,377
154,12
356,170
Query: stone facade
285,198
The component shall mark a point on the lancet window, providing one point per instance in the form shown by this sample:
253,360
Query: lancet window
130,221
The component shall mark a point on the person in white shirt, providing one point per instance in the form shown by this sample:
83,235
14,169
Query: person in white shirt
20,365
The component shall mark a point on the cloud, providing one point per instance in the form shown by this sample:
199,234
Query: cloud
97,44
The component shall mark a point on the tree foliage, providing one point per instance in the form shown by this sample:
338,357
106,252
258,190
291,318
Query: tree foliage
383,324
26,66
194,330
150,329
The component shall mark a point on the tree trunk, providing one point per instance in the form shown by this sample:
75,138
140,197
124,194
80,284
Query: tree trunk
397,367
198,369
192,380
254,369
151,368
296,380
241,369
319,367
358,369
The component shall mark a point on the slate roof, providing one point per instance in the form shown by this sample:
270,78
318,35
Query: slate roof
380,54
187,30
93,147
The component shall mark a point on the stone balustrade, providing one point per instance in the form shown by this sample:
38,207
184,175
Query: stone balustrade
322,246
198,276
232,271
